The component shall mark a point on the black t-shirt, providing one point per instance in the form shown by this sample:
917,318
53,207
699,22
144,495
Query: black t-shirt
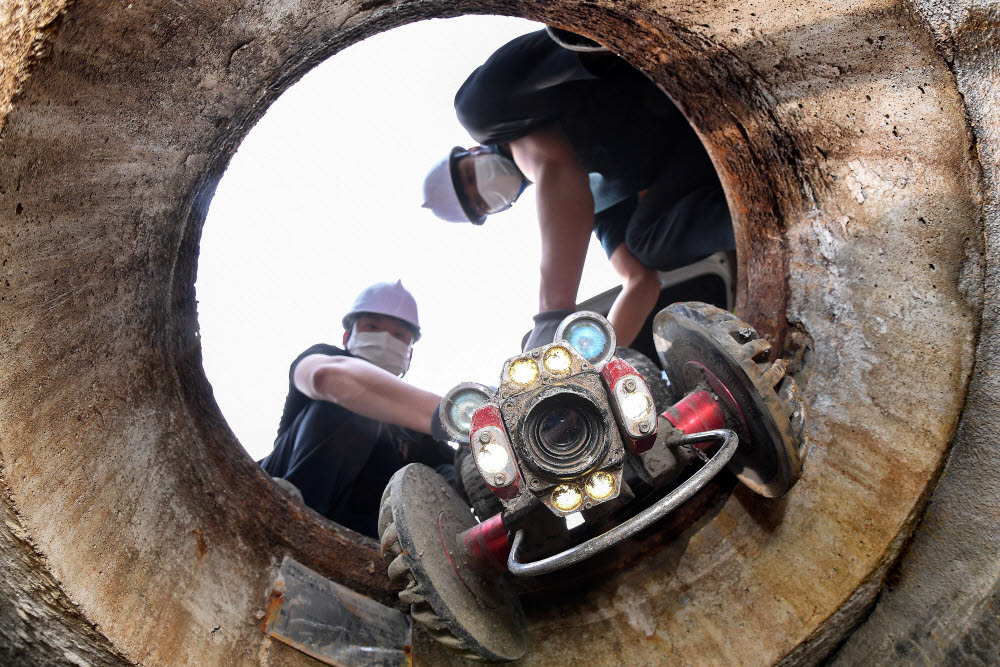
296,401
413,446
623,128
313,458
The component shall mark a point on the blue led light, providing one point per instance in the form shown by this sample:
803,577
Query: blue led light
589,338
462,407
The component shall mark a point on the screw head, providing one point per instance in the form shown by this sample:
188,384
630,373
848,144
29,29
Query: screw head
500,479
630,385
644,427
484,437
534,483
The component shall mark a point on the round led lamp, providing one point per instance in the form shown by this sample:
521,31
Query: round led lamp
523,372
557,360
458,405
566,497
591,334
601,485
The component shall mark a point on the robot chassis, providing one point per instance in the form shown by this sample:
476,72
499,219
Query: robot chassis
573,428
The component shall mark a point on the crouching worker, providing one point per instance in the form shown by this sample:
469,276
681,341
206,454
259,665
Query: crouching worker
607,152
350,422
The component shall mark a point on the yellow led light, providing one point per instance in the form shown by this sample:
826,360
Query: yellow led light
491,457
523,372
636,406
557,360
600,485
566,497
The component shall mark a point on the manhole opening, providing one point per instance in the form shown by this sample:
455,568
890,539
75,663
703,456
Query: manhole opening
305,232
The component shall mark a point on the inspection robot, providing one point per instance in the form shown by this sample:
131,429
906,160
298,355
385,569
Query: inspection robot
577,430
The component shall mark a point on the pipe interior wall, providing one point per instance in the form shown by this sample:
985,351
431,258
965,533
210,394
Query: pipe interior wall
857,146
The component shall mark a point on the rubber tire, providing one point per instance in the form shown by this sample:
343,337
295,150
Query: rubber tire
771,461
490,626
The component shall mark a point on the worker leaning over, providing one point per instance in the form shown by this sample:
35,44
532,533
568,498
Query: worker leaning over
350,422
608,153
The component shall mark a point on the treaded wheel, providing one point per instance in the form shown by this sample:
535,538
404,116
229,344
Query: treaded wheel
483,502
698,343
420,519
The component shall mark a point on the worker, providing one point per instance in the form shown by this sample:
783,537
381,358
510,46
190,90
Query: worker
349,421
608,153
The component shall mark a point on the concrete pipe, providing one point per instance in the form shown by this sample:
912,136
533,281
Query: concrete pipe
858,145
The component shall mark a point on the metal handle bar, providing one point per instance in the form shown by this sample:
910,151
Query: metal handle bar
642,520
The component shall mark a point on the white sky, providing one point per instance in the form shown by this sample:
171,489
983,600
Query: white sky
323,199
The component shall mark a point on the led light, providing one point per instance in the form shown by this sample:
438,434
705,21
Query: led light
523,372
600,485
635,406
491,457
589,338
461,409
557,360
566,497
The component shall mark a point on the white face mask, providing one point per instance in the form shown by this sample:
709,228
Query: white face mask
381,349
498,180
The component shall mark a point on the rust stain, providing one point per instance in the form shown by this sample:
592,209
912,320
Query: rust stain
140,281
200,542
274,602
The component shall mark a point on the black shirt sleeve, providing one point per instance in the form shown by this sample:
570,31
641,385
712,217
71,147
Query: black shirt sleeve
295,400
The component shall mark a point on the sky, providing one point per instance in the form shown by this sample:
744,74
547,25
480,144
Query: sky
323,198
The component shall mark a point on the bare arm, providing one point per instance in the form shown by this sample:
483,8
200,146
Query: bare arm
565,212
640,290
366,389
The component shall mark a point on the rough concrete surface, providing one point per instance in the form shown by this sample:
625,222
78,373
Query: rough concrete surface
858,146
942,606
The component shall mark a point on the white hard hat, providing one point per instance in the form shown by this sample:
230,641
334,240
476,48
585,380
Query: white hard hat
441,195
573,41
390,299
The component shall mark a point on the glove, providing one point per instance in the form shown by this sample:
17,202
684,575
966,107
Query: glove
544,332
437,428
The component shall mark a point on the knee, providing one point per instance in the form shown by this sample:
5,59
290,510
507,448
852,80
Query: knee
648,284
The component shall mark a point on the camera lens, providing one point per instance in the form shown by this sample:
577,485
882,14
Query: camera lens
563,435
562,429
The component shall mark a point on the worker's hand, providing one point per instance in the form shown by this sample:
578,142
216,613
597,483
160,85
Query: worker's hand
437,428
544,332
